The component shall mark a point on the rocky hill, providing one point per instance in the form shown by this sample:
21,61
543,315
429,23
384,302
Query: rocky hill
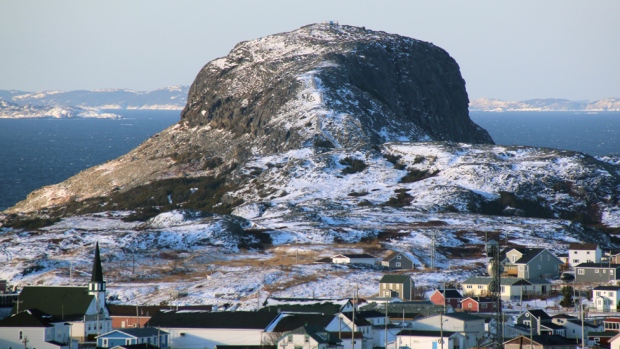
325,139
10,110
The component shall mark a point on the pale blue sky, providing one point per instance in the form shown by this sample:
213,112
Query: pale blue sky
511,50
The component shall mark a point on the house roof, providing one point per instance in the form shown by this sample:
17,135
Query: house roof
222,346
347,335
235,319
136,346
563,316
29,318
480,299
582,247
552,326
414,333
604,334
611,319
543,340
395,254
148,310
327,306
359,321
290,322
598,265
606,288
410,307
577,322
396,279
539,314
368,314
506,281
462,316
355,255
450,293
528,255
136,332
65,303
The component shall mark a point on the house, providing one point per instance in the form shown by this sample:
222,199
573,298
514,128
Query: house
363,258
535,321
511,288
614,342
479,305
584,253
358,340
572,325
539,342
606,298
614,257
197,329
124,316
307,305
448,296
430,339
400,286
34,329
82,307
596,272
133,336
470,326
530,263
3,286
310,337
399,260
611,324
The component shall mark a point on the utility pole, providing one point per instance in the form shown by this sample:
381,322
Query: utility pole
17,302
433,251
492,251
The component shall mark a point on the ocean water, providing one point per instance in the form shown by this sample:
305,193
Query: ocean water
595,134
39,152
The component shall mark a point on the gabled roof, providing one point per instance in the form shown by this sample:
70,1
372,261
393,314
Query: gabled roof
235,319
543,340
533,253
148,310
65,303
479,299
506,281
395,279
395,254
462,316
450,293
552,326
369,314
29,318
290,322
577,322
359,321
582,247
598,265
539,314
606,288
355,255
136,332
414,333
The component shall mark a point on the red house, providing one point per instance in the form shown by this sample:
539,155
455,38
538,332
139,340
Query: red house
479,305
447,297
124,316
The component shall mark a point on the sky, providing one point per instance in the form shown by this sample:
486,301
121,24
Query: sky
509,50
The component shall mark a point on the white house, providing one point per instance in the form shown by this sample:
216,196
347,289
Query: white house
572,326
363,258
206,329
584,253
606,298
34,329
430,339
511,288
470,326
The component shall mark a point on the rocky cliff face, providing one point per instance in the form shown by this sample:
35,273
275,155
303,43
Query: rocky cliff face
343,85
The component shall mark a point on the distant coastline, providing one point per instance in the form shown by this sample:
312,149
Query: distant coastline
545,104
88,104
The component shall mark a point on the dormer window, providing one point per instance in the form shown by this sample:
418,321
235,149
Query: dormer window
398,257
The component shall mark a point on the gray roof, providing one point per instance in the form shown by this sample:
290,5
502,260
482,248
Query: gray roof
450,293
506,281
29,318
597,265
582,247
318,334
414,333
294,321
66,303
463,316
137,332
235,319
606,288
356,255
395,279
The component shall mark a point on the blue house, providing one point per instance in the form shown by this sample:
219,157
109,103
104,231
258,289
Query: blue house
133,336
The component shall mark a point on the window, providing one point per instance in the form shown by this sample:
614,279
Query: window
306,338
598,293
483,305
596,271
480,287
503,289
611,272
398,264
588,252
580,271
21,335
539,266
469,286
604,271
575,261
398,257
469,305
105,342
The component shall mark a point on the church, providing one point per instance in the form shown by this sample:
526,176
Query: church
84,308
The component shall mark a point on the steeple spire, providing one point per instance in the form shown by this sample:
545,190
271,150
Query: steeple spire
96,283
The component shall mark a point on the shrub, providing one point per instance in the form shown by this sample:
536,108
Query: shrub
33,223
213,163
401,199
415,175
353,165
395,160
323,143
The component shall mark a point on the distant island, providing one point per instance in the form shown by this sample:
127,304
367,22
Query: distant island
545,104
88,104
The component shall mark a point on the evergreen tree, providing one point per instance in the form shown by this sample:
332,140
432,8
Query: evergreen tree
567,300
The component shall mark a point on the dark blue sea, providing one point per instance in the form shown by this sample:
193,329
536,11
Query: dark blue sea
39,152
